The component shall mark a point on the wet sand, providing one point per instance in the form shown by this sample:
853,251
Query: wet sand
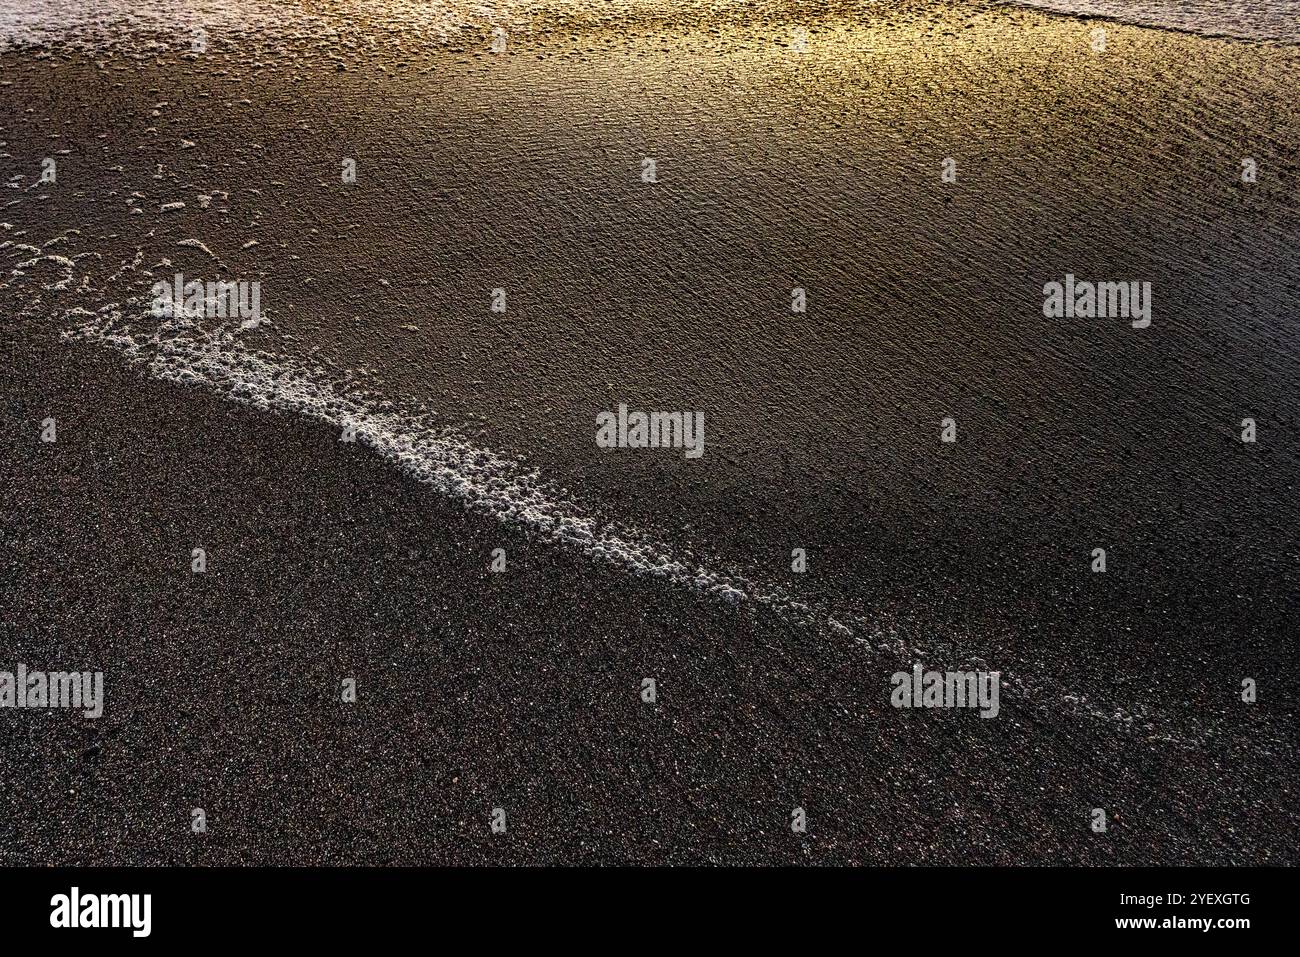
478,691
521,690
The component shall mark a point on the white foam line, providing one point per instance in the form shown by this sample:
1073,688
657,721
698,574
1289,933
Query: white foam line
181,350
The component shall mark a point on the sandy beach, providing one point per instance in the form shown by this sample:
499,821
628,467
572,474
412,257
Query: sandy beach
816,167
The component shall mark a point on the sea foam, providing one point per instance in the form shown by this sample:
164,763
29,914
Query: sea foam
183,349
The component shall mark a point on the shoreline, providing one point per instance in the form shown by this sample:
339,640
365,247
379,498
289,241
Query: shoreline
522,689
1119,20
324,562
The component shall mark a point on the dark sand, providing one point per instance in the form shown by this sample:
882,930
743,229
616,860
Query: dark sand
521,690
479,691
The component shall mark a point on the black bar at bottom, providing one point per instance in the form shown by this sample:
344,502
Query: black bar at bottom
335,906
